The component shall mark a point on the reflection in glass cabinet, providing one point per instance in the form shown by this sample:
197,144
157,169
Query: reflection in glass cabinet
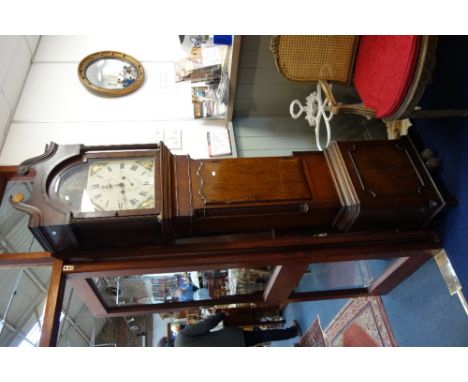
15,236
180,286
342,275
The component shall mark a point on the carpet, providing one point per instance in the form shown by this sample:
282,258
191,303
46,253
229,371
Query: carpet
362,322
448,137
313,337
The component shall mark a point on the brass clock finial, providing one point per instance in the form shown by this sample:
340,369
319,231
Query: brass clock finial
18,197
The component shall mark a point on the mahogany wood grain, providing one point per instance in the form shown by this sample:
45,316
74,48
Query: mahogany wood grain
183,197
139,267
245,245
383,184
53,308
402,268
26,259
250,180
282,282
254,194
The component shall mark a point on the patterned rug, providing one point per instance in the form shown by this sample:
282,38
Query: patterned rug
361,322
313,337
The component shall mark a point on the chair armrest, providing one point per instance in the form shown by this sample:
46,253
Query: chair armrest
338,108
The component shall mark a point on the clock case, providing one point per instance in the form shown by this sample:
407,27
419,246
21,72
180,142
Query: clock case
352,186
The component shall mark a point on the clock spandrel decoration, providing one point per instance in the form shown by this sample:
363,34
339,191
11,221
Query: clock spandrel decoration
88,197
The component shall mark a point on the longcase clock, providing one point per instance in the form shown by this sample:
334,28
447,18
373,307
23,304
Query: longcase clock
119,196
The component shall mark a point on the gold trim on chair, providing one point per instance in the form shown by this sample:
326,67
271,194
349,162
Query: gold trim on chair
337,108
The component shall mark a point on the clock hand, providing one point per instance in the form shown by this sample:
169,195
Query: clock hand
131,184
111,185
122,200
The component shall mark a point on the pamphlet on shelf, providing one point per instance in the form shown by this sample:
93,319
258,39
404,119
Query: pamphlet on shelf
219,143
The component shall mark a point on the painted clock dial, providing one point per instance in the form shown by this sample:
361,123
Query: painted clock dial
108,185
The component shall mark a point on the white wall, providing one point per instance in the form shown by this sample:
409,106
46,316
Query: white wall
54,105
16,53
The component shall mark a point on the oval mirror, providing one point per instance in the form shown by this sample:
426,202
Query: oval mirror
111,73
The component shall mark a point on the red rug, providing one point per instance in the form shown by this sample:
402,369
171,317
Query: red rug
313,337
361,322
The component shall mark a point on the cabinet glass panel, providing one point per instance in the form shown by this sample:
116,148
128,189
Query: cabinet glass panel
180,286
24,293
342,275
15,236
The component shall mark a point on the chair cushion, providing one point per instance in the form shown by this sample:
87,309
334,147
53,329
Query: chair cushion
383,71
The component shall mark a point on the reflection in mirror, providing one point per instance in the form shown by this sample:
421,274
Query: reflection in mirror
343,275
22,301
78,325
180,286
111,73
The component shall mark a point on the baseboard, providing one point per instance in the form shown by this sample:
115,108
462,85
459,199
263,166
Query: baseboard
450,277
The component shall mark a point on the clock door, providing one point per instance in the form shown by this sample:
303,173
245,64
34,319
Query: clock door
260,194
103,185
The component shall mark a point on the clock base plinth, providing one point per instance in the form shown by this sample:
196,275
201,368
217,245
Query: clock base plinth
382,184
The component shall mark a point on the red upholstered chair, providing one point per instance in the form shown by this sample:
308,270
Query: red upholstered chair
389,73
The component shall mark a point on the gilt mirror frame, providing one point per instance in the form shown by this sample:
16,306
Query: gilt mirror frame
109,54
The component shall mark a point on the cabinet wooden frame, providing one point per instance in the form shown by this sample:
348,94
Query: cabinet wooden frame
53,308
26,259
411,249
